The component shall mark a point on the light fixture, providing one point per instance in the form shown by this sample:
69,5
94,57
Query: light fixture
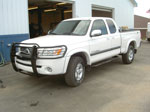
32,8
49,10
63,3
67,11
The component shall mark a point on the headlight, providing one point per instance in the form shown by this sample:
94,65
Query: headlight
56,52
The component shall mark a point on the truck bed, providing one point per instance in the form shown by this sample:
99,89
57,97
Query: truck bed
129,30
127,36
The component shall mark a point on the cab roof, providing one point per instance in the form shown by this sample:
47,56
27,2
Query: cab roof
87,18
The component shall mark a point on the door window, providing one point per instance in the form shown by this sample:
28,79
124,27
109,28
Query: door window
100,25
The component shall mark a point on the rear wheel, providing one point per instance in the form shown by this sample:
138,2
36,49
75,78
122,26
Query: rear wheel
129,56
76,71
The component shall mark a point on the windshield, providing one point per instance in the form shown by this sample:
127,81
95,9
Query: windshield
75,27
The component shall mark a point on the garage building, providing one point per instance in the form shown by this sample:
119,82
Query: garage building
24,19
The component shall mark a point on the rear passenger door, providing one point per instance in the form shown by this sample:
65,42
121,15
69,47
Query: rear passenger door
115,37
100,45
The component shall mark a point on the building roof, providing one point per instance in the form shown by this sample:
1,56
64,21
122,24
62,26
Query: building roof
134,3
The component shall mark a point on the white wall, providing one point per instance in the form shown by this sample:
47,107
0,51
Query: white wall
123,10
82,8
14,13
13,17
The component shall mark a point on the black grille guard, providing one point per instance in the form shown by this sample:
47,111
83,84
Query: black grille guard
32,58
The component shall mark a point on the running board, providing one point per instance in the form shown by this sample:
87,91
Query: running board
104,62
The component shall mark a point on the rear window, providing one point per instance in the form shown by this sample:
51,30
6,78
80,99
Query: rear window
111,26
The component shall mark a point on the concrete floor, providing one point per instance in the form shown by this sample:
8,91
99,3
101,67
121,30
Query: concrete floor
113,87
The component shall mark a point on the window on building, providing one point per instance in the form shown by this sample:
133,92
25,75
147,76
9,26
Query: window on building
111,26
100,25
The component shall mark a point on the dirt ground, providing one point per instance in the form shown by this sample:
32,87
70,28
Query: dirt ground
113,87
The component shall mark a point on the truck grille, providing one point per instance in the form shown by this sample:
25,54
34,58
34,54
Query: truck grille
26,50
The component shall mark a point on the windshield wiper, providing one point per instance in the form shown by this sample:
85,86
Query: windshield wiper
76,34
71,34
66,34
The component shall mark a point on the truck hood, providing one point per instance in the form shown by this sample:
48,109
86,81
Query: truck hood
55,40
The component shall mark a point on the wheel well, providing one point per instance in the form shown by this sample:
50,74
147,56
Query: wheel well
82,55
134,45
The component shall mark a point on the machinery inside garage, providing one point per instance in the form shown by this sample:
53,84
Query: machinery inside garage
44,15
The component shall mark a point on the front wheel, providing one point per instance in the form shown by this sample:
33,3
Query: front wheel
76,71
129,56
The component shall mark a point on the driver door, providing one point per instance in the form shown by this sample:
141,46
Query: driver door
100,45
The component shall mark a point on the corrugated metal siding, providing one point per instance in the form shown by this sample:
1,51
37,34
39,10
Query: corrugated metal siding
14,25
13,17
7,40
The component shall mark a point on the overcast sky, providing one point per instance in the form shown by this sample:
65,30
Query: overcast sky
143,6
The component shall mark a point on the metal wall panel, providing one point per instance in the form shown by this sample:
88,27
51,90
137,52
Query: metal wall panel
13,17
14,26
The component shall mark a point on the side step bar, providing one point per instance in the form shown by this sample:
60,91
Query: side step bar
104,62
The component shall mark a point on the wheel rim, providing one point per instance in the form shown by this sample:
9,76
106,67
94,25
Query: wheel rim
79,71
131,55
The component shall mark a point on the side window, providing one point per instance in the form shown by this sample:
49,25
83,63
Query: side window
111,26
100,25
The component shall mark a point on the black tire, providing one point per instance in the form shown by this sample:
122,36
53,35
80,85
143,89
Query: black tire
148,39
71,78
126,58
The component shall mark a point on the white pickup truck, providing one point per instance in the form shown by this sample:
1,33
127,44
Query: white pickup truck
73,46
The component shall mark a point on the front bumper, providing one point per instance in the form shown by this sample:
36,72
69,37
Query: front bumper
36,66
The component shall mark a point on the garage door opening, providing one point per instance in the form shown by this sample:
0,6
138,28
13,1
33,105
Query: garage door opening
44,15
101,12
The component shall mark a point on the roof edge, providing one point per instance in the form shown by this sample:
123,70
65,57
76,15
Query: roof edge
134,3
141,16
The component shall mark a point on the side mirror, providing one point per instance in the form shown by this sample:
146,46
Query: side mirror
96,33
49,32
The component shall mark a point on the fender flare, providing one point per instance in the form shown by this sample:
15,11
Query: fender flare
129,42
73,52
